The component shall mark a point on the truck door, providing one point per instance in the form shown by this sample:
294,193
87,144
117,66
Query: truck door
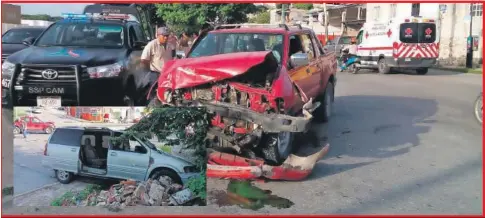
427,44
306,77
408,37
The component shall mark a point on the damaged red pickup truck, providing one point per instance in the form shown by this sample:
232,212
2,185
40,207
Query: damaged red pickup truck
266,84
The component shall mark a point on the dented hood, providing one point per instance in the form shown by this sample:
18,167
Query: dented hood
190,72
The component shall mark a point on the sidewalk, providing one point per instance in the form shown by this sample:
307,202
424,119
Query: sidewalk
45,195
460,69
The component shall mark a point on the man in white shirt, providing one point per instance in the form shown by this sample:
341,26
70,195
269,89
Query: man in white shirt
153,58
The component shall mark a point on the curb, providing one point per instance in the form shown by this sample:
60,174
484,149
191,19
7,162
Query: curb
37,189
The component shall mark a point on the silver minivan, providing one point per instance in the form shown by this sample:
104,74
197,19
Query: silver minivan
91,152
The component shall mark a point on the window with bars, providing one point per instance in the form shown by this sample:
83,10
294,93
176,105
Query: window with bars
415,9
393,10
477,9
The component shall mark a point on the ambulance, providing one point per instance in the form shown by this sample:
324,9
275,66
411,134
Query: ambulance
410,43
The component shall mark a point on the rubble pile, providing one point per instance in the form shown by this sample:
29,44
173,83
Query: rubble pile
161,192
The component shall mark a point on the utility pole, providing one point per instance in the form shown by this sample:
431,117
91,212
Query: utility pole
283,13
325,13
469,54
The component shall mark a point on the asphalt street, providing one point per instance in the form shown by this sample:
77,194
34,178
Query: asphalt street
28,171
400,144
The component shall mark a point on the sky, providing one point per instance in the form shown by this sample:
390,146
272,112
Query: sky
53,9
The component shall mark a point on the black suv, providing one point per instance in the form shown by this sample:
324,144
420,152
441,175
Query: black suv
83,60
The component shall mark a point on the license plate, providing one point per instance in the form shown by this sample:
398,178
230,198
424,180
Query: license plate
49,101
407,59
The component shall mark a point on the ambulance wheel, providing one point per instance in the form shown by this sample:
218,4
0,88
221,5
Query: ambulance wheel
422,71
383,68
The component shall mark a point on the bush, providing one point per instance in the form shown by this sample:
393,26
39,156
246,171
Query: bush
198,186
263,17
303,6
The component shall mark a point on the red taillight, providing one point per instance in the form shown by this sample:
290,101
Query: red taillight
406,20
45,149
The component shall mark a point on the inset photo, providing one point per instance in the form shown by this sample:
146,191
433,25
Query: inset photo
106,156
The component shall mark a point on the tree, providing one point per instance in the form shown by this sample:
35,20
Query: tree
191,17
303,6
262,17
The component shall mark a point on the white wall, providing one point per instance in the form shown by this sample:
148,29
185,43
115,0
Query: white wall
36,22
384,12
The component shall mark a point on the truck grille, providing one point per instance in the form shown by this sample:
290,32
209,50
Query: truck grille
33,75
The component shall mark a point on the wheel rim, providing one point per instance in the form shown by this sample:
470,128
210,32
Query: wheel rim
16,131
62,175
284,140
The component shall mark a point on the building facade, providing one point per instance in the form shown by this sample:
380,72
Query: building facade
453,23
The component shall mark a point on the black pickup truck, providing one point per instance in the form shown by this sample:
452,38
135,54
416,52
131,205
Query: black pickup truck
88,59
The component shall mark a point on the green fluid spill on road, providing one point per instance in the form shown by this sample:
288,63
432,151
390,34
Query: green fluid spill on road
246,195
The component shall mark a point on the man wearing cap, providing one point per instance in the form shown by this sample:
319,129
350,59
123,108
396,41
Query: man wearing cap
153,57
158,51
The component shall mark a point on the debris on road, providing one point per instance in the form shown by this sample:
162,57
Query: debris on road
246,195
223,165
161,192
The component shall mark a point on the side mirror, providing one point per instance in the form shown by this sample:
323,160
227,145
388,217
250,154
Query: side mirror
28,41
299,59
139,45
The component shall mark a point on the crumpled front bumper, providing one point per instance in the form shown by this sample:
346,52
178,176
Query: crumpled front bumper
295,168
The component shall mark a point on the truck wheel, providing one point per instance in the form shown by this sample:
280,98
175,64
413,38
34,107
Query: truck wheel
383,68
166,172
422,71
16,130
322,114
48,130
64,177
277,147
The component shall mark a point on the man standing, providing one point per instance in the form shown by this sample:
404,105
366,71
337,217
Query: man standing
24,128
153,58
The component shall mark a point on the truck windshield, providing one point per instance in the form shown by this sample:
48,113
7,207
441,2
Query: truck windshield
225,43
16,36
417,32
83,35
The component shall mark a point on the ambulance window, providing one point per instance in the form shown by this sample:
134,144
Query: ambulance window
427,32
408,33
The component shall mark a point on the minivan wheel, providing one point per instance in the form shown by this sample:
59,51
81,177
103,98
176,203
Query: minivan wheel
16,130
64,177
166,172
48,130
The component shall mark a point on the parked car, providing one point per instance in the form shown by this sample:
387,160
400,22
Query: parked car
34,125
336,45
260,81
13,39
35,110
87,151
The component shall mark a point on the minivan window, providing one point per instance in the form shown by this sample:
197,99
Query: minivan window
70,137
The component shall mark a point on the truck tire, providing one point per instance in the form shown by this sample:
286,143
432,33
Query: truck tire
382,66
323,113
64,177
276,147
166,172
422,71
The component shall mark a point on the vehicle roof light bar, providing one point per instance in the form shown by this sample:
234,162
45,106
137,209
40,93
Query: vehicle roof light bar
72,16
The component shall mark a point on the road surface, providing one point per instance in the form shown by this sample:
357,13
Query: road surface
400,144
28,171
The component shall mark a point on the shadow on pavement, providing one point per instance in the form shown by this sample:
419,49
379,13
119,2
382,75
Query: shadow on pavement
375,127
